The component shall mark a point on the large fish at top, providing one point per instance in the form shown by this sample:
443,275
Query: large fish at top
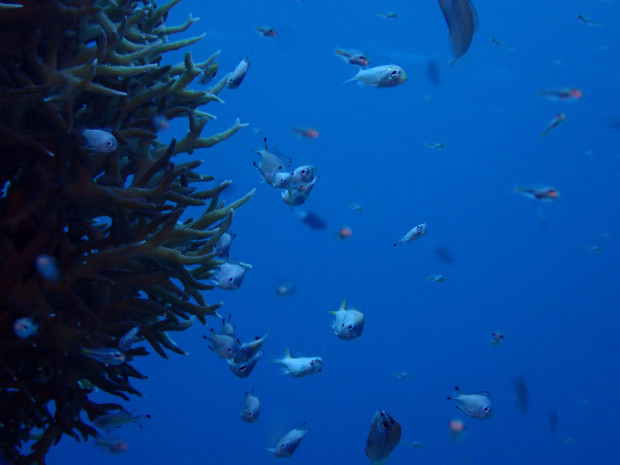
462,22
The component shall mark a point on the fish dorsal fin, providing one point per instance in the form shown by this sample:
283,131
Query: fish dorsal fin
287,353
344,304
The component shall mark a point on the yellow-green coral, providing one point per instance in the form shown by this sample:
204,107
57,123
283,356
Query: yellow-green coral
111,220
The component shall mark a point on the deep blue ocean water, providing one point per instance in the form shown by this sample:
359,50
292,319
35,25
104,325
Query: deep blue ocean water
519,266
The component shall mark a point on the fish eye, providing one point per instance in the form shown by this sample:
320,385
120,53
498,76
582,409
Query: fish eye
230,280
395,73
485,409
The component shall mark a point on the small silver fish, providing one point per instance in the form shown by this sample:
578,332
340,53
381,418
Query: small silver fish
227,327
415,233
436,278
271,163
281,180
354,57
224,345
381,76
229,276
25,327
288,443
105,355
250,409
243,369
247,350
348,324
300,366
99,140
236,76
476,405
128,339
208,74
383,436
284,287
303,174
222,246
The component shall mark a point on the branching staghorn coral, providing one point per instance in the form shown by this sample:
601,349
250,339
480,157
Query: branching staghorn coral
107,221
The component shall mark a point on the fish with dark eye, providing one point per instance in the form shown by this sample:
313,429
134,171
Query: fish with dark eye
354,57
288,443
415,233
348,324
222,246
250,409
224,345
208,74
546,194
266,31
247,350
243,369
462,21
99,140
229,276
383,436
299,367
303,174
108,356
380,76
477,405
271,163
235,78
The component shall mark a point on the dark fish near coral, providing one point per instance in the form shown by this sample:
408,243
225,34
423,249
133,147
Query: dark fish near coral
235,78
383,436
208,74
116,420
462,20
521,393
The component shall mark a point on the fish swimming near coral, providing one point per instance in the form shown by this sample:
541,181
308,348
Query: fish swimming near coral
462,21
99,140
235,78
244,368
229,276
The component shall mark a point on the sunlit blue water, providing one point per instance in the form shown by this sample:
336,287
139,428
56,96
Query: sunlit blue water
520,267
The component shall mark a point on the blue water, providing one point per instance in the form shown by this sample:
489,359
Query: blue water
520,266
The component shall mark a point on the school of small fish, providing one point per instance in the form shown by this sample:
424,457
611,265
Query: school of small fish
295,185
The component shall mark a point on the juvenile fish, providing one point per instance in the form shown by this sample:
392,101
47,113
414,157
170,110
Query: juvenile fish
128,339
348,323
415,233
288,443
383,436
247,350
354,57
235,78
476,405
229,276
99,140
243,369
250,409
300,366
116,420
224,345
381,76
222,246
271,163
108,356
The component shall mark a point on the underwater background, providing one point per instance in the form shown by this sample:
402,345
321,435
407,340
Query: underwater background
529,269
